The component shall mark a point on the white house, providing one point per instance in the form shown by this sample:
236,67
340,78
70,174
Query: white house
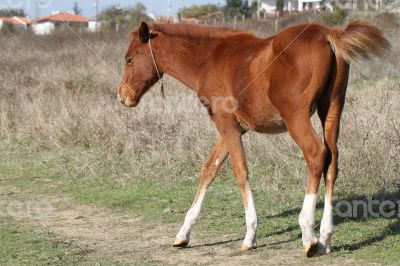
269,6
58,21
94,25
308,4
17,23
43,28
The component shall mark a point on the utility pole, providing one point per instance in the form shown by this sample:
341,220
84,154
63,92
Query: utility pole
169,8
37,8
96,4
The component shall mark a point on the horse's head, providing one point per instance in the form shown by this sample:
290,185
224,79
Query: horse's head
140,69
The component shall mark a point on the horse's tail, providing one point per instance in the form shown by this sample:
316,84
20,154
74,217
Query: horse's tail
358,40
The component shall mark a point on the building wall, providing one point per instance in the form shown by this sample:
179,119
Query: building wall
48,27
94,26
308,4
77,27
267,8
43,28
270,6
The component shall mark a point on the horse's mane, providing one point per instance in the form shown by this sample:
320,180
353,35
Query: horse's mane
196,31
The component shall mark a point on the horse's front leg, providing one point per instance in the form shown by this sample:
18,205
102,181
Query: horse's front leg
232,135
207,175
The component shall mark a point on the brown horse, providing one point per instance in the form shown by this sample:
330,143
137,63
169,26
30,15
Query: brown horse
266,85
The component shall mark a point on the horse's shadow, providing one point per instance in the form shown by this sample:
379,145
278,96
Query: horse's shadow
360,212
359,215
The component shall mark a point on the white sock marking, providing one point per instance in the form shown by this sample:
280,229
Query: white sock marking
192,216
251,221
307,216
327,228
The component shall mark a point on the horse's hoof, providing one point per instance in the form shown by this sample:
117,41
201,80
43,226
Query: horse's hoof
323,250
311,249
245,248
181,243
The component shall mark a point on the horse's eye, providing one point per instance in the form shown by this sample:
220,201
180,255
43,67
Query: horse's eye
129,61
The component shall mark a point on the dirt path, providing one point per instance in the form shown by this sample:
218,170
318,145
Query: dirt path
123,238
119,237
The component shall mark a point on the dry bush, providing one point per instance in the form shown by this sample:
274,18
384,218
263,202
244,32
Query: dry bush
56,94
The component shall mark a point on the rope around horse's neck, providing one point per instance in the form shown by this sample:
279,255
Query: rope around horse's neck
160,78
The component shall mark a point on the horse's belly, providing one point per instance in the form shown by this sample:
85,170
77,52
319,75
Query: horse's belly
263,120
271,123
271,127
266,120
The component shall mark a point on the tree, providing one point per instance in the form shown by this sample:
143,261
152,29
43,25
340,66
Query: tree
12,12
118,18
280,4
336,17
140,8
246,8
254,7
135,15
110,17
237,7
6,28
199,11
77,9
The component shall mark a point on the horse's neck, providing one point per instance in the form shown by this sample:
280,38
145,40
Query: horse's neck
184,59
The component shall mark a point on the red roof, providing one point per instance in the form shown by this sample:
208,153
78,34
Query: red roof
16,21
191,20
63,17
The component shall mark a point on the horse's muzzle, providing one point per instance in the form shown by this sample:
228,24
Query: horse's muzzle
128,102
126,97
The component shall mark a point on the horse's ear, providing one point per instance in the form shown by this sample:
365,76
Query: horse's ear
144,32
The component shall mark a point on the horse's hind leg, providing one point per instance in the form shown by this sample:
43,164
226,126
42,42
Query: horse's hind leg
301,130
207,175
330,108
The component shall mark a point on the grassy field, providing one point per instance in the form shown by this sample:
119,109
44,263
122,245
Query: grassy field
83,180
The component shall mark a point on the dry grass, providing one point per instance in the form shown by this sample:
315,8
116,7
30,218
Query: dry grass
56,94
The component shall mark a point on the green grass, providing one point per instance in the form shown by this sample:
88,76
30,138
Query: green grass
167,192
20,246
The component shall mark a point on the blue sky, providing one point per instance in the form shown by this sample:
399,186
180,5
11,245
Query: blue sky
158,7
